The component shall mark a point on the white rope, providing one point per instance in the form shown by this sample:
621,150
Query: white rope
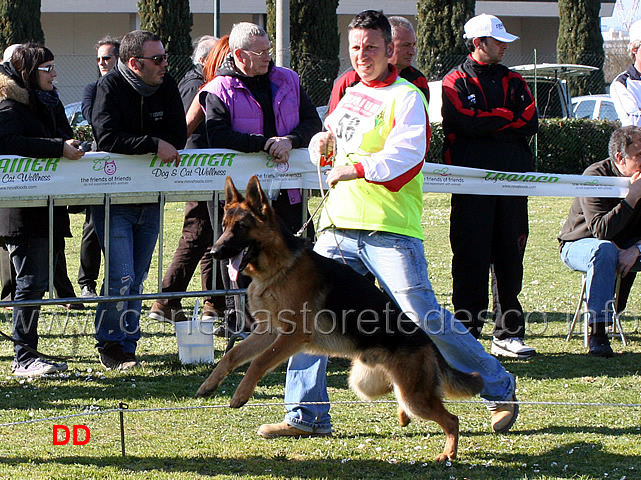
282,404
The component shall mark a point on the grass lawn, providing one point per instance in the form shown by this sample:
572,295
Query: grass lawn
168,437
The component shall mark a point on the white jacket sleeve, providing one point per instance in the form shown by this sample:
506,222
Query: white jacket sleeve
626,103
406,144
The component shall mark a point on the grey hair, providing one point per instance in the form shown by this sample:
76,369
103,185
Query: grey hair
242,33
621,139
202,46
634,44
399,23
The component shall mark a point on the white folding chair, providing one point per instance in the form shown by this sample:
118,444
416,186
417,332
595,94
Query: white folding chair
582,309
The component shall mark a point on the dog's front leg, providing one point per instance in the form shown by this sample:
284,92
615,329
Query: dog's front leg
283,347
242,353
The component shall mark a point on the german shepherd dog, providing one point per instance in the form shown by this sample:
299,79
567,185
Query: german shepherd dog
304,302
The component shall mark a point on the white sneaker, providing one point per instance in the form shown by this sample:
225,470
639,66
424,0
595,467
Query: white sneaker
37,367
512,347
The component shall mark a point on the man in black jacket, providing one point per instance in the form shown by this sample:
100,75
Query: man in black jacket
107,50
488,116
137,110
603,235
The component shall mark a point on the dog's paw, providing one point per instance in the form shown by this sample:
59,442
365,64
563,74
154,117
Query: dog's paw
242,394
445,456
237,401
403,418
207,388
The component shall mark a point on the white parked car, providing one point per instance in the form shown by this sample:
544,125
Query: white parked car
596,107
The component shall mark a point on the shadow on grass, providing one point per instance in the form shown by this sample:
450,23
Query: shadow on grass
568,365
571,460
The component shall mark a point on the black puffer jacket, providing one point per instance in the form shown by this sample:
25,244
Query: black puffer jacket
125,122
39,134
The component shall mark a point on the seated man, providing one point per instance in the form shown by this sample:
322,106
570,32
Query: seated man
602,236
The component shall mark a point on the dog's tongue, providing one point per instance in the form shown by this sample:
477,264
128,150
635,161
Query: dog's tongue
232,266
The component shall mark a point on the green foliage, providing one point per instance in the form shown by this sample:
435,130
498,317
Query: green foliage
171,20
83,133
580,41
440,44
570,145
564,145
20,22
315,44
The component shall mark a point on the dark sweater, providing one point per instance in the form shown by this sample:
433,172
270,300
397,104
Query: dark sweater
611,219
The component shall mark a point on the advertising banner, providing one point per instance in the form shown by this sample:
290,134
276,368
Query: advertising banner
206,170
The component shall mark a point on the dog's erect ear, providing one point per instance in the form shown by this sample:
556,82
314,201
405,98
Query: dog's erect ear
231,194
256,198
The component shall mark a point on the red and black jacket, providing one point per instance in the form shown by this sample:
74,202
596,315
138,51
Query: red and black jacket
351,78
488,116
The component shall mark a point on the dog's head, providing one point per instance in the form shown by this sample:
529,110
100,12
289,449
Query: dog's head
248,221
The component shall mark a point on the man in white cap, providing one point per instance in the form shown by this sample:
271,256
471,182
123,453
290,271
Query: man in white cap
488,116
626,87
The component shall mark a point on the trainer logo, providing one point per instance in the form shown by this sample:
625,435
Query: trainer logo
443,172
62,435
519,177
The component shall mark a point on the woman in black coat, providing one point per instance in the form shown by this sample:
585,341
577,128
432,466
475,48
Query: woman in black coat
32,124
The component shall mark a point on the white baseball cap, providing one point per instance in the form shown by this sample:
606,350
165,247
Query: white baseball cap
487,26
635,31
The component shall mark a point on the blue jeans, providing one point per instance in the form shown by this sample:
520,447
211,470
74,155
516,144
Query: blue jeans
398,262
132,239
598,259
30,258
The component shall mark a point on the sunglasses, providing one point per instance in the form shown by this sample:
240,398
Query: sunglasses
48,68
104,58
264,53
157,59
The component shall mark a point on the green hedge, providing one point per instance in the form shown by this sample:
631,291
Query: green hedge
565,145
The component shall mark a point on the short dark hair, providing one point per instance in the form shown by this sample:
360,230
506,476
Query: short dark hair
621,139
26,59
109,40
469,43
372,20
133,42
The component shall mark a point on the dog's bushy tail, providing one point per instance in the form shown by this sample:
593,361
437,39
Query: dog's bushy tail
457,384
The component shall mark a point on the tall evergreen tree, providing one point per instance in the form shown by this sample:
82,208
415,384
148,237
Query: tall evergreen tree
440,45
20,22
580,41
315,44
171,20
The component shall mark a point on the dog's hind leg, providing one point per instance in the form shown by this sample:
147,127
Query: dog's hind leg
429,406
416,385
242,353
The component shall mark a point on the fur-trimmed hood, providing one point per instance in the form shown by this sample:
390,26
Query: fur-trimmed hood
10,90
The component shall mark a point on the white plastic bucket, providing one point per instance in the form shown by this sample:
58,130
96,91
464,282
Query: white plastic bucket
195,340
